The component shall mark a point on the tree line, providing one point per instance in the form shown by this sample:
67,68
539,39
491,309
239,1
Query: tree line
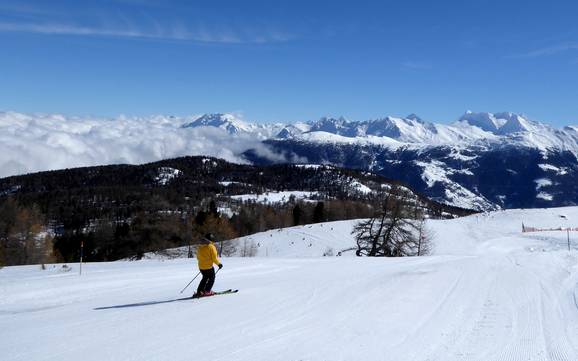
25,237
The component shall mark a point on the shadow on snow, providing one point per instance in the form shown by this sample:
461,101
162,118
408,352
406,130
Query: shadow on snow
142,303
230,291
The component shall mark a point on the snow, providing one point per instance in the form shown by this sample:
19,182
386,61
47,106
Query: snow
209,161
312,240
166,174
312,166
360,187
485,121
456,154
228,122
545,196
228,183
456,194
326,137
432,172
489,292
226,211
549,167
542,182
471,130
275,197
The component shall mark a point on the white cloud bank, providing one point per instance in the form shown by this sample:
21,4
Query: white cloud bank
31,143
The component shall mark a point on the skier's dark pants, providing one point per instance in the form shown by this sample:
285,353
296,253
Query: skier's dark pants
207,281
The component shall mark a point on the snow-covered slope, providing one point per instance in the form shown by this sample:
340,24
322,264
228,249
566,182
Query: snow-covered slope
313,240
468,235
515,129
488,293
411,129
276,197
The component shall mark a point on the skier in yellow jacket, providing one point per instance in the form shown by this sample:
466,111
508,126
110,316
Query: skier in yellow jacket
206,257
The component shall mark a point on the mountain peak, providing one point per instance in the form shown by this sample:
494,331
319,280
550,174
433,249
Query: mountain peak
225,121
483,120
329,124
339,119
514,123
216,118
414,117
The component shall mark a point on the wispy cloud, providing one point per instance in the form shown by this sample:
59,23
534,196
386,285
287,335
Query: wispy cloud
416,65
549,50
176,31
134,19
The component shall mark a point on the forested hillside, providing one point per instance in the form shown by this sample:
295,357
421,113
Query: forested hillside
123,211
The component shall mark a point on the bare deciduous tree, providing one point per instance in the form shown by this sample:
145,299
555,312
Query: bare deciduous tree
391,231
249,248
424,237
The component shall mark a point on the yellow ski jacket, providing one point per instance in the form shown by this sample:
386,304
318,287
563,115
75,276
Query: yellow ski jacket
207,255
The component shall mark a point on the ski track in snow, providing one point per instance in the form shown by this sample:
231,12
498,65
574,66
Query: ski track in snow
489,293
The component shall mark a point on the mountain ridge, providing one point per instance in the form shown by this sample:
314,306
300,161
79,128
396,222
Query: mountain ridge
471,128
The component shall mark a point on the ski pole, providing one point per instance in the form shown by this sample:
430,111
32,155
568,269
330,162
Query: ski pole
190,282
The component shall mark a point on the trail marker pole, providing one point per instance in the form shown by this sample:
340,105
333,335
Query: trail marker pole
568,232
81,252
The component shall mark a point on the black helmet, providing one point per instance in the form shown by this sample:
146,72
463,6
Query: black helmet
210,237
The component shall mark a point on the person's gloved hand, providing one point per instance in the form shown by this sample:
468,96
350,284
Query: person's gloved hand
220,265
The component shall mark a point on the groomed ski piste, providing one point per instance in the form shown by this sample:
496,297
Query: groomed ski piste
489,292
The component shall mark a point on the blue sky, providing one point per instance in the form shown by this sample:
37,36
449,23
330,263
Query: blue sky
290,60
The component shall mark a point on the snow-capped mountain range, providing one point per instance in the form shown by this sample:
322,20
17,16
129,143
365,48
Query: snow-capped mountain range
470,128
481,160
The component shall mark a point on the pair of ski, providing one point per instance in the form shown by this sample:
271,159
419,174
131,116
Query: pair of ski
225,292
